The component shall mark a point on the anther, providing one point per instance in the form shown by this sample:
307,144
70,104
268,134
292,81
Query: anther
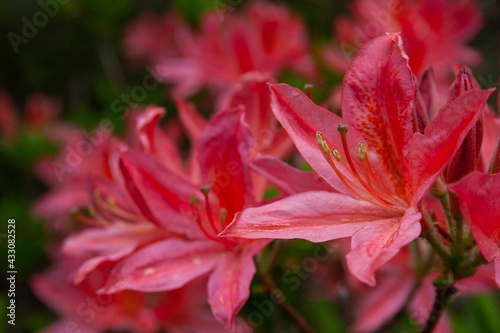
111,201
223,215
322,143
361,151
194,200
336,154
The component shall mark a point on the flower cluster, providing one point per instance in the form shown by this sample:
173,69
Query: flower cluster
163,231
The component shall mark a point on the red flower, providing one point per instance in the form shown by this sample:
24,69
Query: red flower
378,169
265,38
159,229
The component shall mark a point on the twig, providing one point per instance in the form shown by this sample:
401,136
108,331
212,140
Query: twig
287,306
443,297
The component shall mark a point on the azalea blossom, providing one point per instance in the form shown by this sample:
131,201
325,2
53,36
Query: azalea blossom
377,167
158,228
434,32
81,307
264,37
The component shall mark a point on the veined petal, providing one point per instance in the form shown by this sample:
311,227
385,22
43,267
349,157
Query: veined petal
377,99
165,265
479,198
229,284
162,196
223,156
317,216
380,303
426,155
192,121
302,119
286,178
377,242
156,142
108,245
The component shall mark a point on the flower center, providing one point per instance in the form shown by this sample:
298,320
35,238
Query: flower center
209,227
368,188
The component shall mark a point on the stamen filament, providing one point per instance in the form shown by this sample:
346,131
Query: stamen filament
342,128
346,181
209,212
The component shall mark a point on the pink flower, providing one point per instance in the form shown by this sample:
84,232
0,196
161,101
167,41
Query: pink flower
379,169
479,198
158,229
265,38
39,112
80,306
434,33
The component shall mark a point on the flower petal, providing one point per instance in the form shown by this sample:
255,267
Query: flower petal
316,216
377,242
223,156
426,155
164,265
377,98
287,179
154,141
302,119
162,196
108,245
479,198
192,121
229,284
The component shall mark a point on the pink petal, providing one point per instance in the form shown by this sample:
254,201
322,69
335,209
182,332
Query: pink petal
426,155
223,156
162,196
154,141
377,98
380,303
315,216
192,121
287,179
491,136
229,284
377,242
428,90
479,198
302,119
108,245
165,265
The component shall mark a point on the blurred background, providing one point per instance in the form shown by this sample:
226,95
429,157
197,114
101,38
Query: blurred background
77,60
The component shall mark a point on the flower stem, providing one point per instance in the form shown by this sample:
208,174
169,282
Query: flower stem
443,297
438,247
273,289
